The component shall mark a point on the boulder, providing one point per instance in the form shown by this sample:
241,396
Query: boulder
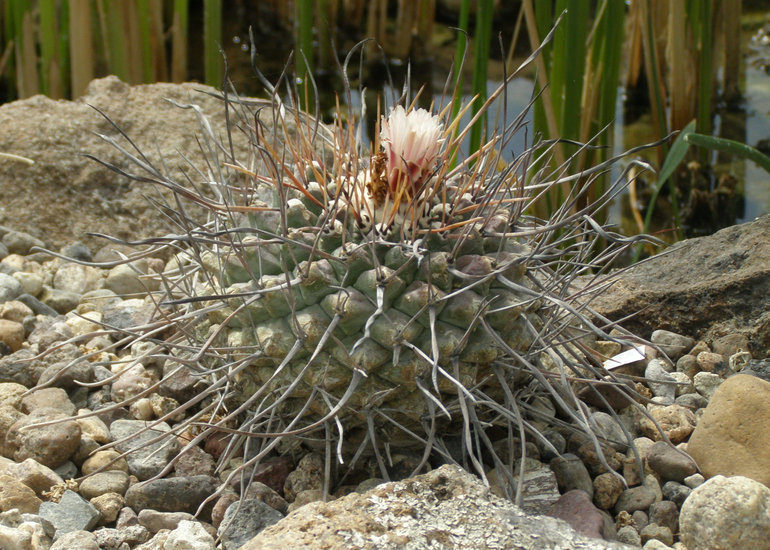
446,508
727,513
732,437
706,288
81,195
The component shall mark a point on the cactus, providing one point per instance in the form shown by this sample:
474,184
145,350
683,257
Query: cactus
362,301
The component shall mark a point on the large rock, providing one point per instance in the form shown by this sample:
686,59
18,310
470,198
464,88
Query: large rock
446,508
82,196
733,435
727,513
705,287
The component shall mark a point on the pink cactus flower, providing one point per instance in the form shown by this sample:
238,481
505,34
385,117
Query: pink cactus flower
412,142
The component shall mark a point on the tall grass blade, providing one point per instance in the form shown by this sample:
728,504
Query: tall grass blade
702,15
729,146
27,57
653,71
482,39
304,38
159,71
143,7
113,28
731,26
673,159
575,29
48,38
81,46
132,32
460,51
212,38
610,56
179,40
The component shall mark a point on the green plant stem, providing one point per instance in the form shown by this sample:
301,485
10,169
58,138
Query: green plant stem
48,36
81,45
675,156
652,69
460,50
179,41
115,39
303,56
484,13
145,39
703,22
212,38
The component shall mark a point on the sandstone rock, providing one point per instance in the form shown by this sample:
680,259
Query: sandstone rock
706,383
666,514
77,278
194,462
727,513
14,494
444,508
607,490
109,506
675,421
8,417
34,475
54,398
190,535
72,183
11,334
711,362
705,287
732,435
661,533
83,540
10,394
125,279
103,483
15,311
154,521
49,445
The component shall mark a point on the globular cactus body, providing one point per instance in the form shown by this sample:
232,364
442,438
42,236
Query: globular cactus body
368,301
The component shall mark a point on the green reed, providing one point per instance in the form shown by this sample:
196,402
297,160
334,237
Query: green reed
578,77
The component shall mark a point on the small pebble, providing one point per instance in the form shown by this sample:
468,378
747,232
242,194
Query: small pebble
662,384
657,532
706,383
674,345
675,492
694,481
